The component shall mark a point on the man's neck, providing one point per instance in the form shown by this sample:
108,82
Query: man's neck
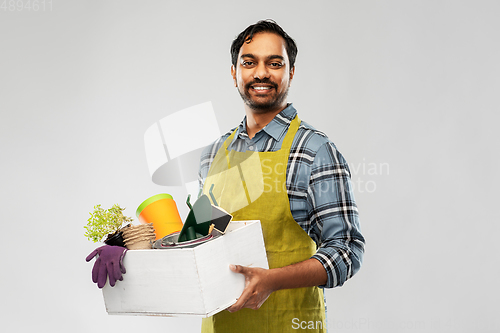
257,121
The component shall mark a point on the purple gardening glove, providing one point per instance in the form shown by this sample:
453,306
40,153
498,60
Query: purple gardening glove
109,262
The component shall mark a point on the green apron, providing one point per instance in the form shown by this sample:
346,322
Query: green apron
252,186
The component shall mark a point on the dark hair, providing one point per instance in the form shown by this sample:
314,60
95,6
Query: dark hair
263,26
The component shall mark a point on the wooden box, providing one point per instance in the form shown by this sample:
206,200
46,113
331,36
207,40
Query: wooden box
187,281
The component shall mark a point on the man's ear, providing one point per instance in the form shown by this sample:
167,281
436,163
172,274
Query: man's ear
233,74
292,73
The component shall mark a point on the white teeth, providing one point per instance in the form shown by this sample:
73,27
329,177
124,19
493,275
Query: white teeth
261,88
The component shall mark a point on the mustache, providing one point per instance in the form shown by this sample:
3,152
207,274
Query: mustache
264,81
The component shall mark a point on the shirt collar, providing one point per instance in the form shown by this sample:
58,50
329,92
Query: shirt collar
276,127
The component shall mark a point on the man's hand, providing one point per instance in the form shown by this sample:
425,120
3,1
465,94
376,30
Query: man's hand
260,282
258,287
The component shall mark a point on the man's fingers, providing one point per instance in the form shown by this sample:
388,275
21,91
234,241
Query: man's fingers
240,303
238,269
257,287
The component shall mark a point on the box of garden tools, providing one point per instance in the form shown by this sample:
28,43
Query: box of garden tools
193,281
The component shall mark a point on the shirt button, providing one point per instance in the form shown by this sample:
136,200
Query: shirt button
250,147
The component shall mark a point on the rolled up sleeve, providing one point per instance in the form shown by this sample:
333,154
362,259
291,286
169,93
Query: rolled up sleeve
333,216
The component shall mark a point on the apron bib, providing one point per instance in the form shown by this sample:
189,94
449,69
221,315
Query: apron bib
252,186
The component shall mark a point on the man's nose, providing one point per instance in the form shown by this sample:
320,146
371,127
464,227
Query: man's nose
261,72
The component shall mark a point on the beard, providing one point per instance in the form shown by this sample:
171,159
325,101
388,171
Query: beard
263,105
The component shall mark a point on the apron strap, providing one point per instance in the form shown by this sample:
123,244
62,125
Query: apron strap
290,134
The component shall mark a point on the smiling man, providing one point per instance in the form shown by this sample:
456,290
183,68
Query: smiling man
263,74
311,228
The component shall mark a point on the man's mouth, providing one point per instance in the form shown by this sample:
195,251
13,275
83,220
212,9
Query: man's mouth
261,89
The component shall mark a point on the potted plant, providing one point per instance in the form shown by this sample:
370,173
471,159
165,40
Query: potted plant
108,222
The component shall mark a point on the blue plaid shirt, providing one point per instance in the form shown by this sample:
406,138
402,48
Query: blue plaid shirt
319,190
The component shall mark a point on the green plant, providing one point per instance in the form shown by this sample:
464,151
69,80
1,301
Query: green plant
103,222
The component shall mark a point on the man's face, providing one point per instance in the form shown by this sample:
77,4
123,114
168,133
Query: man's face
262,74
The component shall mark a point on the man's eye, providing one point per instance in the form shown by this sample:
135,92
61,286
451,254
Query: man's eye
247,63
276,64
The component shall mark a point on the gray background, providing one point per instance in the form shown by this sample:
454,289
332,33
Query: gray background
407,90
